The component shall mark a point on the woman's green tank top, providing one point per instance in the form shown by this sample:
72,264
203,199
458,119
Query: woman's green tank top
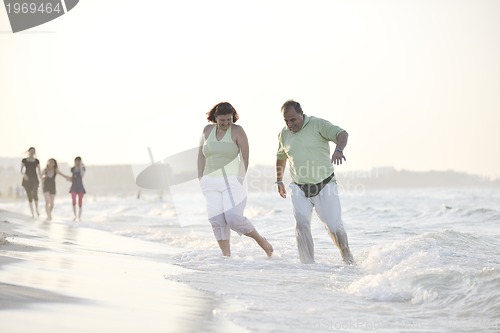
221,154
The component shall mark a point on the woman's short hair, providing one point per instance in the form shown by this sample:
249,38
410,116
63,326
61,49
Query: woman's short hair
222,109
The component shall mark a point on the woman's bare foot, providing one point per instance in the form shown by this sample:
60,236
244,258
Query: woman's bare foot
266,246
225,247
262,241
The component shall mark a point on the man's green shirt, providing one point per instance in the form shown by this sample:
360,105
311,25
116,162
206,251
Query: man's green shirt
308,150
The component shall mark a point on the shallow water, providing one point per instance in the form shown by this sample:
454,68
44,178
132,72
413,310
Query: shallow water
427,260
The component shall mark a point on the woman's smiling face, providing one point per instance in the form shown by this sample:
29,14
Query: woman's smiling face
224,121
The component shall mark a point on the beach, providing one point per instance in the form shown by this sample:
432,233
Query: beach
427,260
58,277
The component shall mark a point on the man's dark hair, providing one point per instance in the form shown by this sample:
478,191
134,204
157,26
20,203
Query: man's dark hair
292,104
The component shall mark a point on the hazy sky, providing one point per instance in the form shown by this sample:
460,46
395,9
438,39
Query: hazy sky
415,83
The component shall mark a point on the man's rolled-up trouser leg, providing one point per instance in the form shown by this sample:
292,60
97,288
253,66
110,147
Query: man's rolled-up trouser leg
327,206
302,211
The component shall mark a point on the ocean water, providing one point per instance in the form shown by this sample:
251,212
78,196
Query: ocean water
428,260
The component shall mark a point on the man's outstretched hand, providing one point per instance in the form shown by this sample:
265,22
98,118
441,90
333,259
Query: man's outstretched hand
337,157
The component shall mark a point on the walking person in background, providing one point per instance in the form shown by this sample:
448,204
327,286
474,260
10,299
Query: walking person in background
221,173
77,189
49,185
304,141
30,169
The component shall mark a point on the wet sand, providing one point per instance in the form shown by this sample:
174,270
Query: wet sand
59,277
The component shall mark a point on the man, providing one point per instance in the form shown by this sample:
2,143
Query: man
304,141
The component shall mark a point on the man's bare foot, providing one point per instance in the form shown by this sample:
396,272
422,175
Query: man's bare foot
347,256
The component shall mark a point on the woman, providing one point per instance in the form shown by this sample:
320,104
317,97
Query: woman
221,173
29,168
49,185
77,189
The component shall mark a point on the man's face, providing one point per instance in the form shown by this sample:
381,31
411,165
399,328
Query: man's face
293,119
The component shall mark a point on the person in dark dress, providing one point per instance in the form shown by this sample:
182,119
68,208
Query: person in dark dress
77,189
30,169
49,185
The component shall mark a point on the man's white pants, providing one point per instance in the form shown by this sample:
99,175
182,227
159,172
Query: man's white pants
327,206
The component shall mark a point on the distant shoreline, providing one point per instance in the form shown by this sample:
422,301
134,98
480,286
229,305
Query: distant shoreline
113,179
